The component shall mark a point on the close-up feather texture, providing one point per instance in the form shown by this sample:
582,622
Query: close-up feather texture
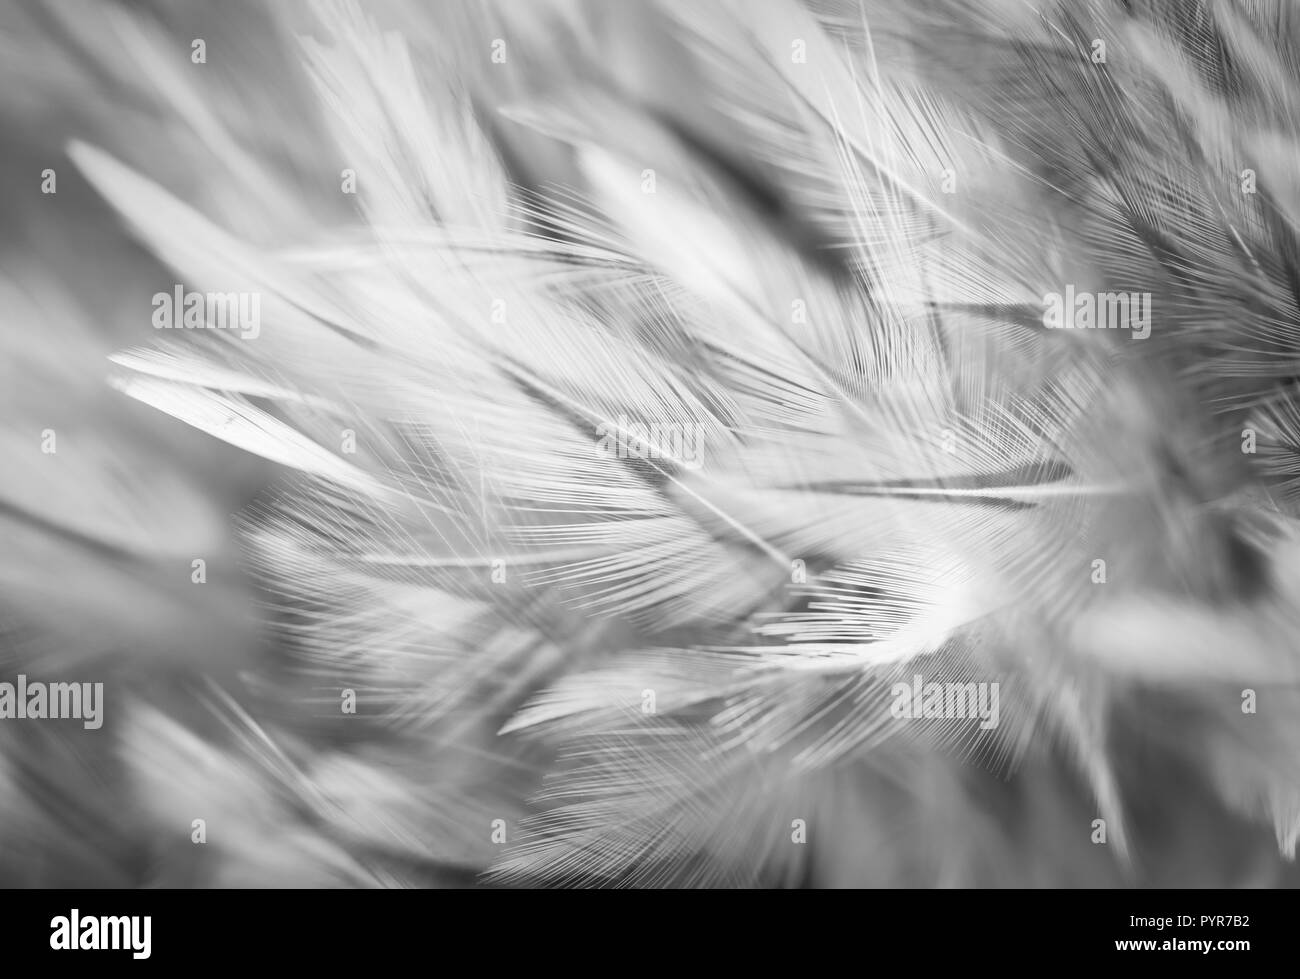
673,443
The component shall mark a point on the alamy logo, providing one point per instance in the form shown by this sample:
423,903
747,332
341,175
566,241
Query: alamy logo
181,310
916,700
102,932
1098,311
674,442
53,701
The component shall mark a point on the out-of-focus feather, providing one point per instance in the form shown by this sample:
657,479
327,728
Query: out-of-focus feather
889,467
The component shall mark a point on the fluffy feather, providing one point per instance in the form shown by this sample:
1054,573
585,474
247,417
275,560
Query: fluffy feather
725,239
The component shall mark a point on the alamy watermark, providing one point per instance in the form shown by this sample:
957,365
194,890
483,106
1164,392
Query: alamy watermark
918,699
1098,311
679,443
102,931
181,310
38,701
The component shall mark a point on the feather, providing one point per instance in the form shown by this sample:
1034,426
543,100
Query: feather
668,473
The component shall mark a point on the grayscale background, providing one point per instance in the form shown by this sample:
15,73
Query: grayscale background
737,443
